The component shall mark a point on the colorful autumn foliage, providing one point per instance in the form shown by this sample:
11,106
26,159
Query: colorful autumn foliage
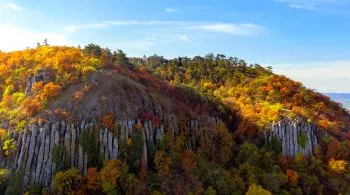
108,121
292,177
67,182
255,190
337,165
109,175
93,179
209,163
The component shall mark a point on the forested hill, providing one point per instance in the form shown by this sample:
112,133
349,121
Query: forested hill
172,126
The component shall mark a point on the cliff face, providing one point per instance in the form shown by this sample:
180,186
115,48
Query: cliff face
134,109
295,137
35,161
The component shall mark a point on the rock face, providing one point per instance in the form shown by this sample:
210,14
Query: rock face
37,163
296,136
42,76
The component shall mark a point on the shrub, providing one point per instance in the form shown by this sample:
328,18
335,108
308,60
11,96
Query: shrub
60,158
14,184
89,143
9,147
4,174
109,175
135,150
162,163
93,179
337,165
255,190
108,121
275,145
34,189
67,182
302,140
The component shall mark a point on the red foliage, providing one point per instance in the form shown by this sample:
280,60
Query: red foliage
293,177
333,149
108,121
148,116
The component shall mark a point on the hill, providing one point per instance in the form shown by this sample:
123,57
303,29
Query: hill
95,121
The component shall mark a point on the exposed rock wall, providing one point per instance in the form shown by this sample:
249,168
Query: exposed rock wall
289,131
34,158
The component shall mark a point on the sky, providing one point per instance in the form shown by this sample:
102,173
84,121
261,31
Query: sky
307,40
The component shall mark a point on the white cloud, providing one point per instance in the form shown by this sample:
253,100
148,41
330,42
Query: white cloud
15,38
12,6
331,6
322,76
105,24
234,29
169,10
184,38
247,29
151,38
302,6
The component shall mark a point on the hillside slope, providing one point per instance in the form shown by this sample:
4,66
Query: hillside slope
92,121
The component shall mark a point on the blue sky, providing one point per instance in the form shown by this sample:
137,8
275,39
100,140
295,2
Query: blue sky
308,40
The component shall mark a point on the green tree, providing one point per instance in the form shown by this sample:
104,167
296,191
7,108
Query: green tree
92,50
120,59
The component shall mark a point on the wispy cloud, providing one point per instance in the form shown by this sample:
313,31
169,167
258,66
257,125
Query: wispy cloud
247,29
302,6
332,76
12,6
332,6
234,29
184,38
16,38
169,10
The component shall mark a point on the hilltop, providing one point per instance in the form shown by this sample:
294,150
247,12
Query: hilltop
154,125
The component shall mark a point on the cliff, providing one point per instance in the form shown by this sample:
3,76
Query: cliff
35,160
295,136
57,136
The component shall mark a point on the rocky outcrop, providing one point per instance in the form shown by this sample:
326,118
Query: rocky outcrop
35,155
295,136
42,76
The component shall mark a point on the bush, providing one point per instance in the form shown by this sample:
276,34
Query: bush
4,174
135,151
302,140
89,143
275,145
60,158
9,147
255,190
14,183
109,175
34,189
68,181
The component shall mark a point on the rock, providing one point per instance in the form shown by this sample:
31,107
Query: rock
110,144
21,153
115,148
30,153
41,155
67,141
105,143
81,158
47,152
288,132
101,141
72,153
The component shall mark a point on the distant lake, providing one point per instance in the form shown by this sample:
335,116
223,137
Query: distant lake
343,98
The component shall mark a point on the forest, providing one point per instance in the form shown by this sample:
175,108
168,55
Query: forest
232,159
